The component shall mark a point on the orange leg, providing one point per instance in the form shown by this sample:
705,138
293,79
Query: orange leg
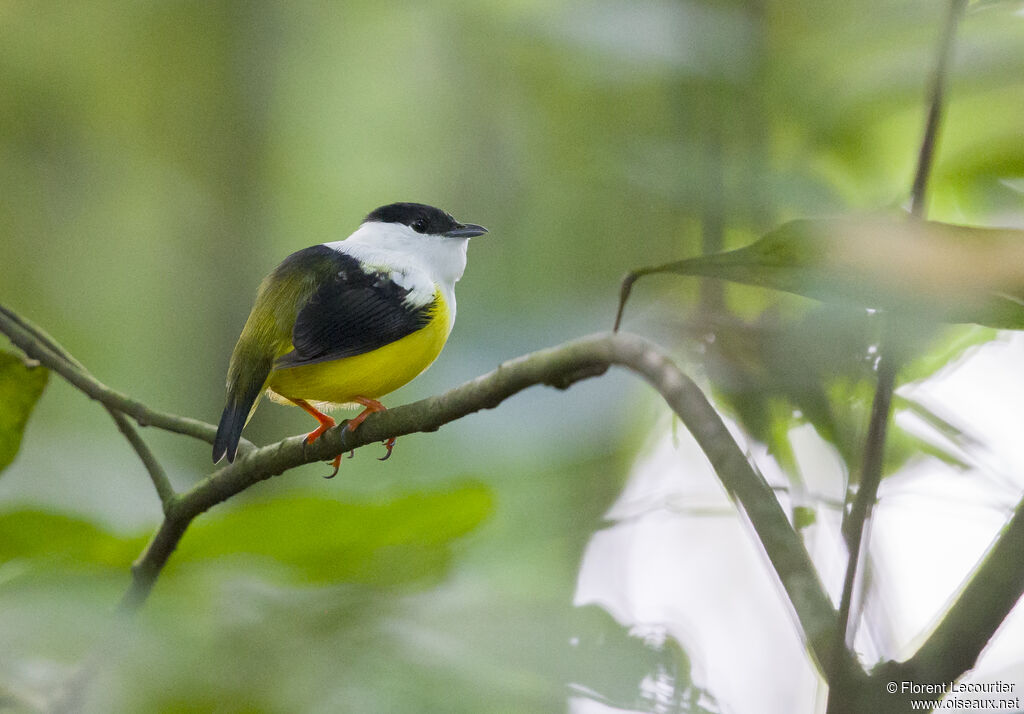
326,423
372,406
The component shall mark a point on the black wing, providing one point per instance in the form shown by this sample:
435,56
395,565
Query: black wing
352,312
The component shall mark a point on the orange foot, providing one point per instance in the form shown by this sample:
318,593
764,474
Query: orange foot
372,406
326,423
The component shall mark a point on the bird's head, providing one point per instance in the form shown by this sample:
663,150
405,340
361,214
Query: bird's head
428,234
419,220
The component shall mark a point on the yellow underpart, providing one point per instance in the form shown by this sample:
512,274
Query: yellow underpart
371,374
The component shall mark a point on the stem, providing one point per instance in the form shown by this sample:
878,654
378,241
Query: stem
867,492
855,526
149,565
627,287
156,472
925,157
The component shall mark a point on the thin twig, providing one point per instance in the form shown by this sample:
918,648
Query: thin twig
42,336
856,524
858,520
926,155
156,472
11,326
627,287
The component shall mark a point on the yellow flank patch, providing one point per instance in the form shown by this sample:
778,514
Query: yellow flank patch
371,374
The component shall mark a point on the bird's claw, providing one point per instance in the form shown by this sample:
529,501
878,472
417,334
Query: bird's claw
389,444
350,425
336,464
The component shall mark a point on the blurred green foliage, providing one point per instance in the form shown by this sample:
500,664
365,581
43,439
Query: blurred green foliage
776,372
74,542
384,545
387,544
21,385
157,159
936,272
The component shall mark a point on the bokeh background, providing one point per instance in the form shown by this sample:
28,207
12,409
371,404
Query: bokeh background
566,551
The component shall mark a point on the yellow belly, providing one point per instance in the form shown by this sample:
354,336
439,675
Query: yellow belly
372,374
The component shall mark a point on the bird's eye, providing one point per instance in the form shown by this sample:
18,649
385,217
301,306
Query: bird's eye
419,225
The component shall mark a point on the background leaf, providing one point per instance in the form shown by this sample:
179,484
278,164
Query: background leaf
20,389
945,272
804,517
384,543
64,540
391,542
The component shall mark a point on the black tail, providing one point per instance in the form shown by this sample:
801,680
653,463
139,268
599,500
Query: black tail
232,421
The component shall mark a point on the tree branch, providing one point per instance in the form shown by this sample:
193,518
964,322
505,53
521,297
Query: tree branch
156,472
146,569
44,351
559,367
991,592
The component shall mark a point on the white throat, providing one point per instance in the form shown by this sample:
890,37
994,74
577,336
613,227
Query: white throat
422,264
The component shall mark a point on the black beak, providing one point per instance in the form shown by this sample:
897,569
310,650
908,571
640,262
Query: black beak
466,230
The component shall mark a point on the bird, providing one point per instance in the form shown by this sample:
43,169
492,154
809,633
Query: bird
347,322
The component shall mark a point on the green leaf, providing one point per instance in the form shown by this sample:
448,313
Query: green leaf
943,272
776,373
803,517
395,542
38,535
956,435
20,389
945,350
387,543
779,371
617,665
